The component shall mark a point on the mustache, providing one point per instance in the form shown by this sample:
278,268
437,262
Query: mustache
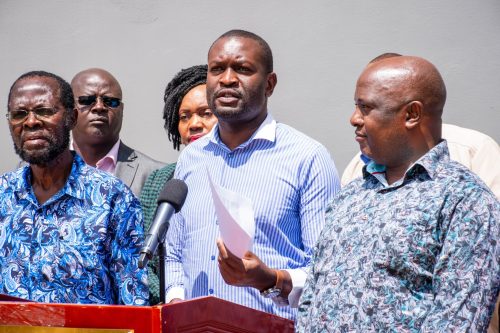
225,91
99,118
358,133
35,134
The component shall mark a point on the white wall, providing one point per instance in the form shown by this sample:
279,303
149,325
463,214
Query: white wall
320,47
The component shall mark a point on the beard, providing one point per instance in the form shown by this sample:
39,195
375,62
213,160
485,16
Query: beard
229,112
57,144
249,103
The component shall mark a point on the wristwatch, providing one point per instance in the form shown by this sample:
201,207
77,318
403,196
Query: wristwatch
274,291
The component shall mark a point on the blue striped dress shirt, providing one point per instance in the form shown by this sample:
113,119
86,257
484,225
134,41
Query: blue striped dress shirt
290,179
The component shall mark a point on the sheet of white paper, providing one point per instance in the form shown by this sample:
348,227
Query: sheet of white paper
236,218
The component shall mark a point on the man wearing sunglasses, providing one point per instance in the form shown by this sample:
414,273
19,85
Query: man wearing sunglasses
96,137
68,233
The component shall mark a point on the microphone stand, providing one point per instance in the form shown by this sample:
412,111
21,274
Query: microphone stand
161,263
170,201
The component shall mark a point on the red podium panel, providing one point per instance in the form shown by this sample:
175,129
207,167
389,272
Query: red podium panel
206,314
210,314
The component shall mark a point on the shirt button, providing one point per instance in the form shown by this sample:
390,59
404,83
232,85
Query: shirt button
213,257
210,291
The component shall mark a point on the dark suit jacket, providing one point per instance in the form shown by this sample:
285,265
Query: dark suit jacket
133,167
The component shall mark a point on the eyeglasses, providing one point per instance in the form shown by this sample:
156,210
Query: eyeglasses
110,102
19,116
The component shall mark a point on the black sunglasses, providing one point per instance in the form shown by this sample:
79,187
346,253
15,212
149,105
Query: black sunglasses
110,102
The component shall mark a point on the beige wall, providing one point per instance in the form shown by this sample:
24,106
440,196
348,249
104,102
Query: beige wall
320,48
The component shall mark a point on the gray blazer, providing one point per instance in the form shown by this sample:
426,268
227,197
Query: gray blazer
133,167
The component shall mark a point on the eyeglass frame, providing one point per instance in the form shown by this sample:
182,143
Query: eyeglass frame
36,113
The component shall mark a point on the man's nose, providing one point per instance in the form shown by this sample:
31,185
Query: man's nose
228,78
31,120
356,118
98,105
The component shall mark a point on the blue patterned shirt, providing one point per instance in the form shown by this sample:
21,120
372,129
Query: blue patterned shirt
419,255
80,246
290,179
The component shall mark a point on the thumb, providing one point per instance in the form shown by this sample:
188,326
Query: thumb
222,248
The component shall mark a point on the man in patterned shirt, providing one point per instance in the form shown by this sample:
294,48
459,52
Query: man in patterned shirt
412,246
68,233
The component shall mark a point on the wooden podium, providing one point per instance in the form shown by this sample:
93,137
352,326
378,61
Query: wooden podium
206,314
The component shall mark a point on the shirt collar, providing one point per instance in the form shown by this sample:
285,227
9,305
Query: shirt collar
266,131
108,162
74,185
364,158
430,161
375,170
23,185
428,164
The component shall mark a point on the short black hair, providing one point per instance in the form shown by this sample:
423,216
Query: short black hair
65,92
180,85
267,54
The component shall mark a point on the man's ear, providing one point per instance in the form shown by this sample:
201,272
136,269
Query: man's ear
272,80
413,114
73,118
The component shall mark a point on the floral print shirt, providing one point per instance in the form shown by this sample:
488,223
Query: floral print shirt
419,255
80,246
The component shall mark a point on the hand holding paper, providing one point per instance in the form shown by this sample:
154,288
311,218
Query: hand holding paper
238,265
236,218
248,271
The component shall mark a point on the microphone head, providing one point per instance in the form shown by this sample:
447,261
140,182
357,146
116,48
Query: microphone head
174,192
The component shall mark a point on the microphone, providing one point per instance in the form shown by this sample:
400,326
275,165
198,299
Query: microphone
170,201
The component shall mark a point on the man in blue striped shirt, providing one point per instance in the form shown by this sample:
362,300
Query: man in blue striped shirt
289,177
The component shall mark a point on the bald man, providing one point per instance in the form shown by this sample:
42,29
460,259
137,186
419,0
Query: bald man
96,137
475,150
412,246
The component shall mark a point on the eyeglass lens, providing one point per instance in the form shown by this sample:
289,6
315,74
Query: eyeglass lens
111,102
17,116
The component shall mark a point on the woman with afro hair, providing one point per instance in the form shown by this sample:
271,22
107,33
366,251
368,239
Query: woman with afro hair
187,118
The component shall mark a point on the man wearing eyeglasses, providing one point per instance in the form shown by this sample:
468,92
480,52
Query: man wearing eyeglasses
96,137
68,233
